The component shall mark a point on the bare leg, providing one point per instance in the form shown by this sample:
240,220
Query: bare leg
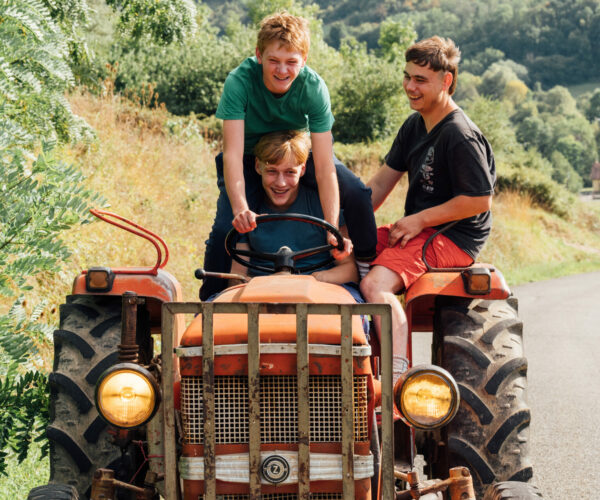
380,286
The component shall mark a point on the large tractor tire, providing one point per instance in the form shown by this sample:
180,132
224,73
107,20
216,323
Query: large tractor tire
512,490
53,492
84,346
481,344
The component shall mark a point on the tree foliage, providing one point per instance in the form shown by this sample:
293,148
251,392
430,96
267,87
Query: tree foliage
551,123
163,21
367,98
34,74
40,197
550,38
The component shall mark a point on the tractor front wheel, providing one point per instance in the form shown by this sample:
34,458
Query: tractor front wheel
481,344
84,346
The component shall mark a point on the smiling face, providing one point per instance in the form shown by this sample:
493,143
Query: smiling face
427,90
280,182
280,66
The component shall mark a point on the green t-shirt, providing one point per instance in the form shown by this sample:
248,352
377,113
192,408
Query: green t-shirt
305,106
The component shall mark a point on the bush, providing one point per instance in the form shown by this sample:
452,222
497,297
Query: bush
367,99
187,77
543,191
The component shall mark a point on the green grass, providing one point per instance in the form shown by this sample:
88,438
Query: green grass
549,270
20,478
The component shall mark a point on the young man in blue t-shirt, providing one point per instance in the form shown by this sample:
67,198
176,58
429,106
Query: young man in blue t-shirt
281,162
272,91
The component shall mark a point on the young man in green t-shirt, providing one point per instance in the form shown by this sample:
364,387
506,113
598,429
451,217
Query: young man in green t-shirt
272,91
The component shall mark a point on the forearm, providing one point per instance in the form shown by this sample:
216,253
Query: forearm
233,174
233,164
326,177
382,184
458,208
340,274
329,193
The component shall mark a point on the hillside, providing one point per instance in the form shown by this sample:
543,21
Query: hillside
158,170
555,40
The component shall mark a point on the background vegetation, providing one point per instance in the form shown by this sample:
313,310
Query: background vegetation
112,104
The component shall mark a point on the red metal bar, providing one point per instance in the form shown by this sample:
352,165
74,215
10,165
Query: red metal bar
139,231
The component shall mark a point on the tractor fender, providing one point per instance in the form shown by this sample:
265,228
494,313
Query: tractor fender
420,297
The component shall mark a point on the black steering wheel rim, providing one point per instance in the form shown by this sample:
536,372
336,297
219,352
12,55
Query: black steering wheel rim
288,255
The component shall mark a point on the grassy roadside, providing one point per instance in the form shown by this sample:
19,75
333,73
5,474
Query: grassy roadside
20,478
159,171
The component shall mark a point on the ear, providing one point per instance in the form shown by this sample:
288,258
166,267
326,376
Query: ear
448,78
303,169
257,166
258,55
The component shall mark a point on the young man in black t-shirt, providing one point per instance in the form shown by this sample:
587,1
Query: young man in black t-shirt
451,174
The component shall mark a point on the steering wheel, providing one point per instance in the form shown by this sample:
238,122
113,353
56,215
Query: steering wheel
284,258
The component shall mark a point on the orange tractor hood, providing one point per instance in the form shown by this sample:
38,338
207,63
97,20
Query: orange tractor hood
279,328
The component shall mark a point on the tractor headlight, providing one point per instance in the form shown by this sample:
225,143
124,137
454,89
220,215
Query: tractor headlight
127,395
427,396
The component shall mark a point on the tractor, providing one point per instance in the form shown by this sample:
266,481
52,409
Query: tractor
273,390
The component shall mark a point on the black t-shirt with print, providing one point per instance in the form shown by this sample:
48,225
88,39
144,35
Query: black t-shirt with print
453,159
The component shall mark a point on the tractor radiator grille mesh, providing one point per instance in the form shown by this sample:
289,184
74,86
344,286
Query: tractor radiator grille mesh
278,409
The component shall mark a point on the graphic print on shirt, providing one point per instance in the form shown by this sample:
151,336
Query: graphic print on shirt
427,171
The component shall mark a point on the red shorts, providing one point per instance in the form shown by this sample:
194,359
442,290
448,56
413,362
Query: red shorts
408,262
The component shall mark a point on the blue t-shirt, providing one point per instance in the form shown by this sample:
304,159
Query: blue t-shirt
305,106
271,236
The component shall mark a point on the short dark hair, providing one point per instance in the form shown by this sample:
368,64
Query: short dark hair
440,54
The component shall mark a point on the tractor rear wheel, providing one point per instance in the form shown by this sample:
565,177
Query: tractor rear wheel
84,346
512,490
53,492
481,344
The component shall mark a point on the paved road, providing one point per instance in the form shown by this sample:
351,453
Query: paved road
562,342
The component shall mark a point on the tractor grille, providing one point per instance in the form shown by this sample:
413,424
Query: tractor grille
282,496
278,410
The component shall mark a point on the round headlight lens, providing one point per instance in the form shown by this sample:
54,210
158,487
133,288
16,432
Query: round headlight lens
428,397
127,396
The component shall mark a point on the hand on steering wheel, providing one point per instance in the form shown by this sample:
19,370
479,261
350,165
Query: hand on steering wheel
285,258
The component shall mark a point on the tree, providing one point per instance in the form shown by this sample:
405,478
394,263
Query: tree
593,107
495,79
564,173
394,38
163,21
367,99
482,61
557,101
41,197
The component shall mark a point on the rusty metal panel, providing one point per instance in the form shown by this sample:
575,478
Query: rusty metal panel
168,401
208,373
302,310
254,401
303,402
167,380
347,403
387,422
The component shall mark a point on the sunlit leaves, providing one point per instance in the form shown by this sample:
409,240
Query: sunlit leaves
163,21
